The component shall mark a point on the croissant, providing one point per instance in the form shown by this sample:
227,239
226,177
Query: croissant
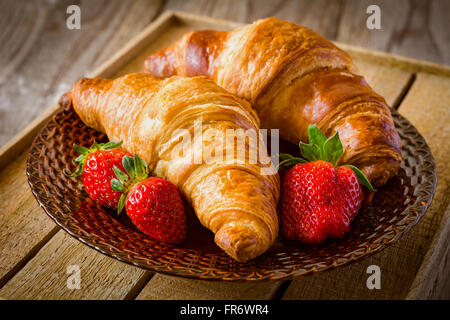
293,77
235,200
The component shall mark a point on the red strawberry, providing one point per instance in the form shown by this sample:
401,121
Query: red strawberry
155,207
96,166
319,200
153,204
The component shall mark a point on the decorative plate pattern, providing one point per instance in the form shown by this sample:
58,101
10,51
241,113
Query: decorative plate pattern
395,208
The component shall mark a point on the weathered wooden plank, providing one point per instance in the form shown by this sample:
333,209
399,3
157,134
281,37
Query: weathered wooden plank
412,28
47,275
23,139
320,15
433,278
24,228
427,107
389,82
175,288
40,58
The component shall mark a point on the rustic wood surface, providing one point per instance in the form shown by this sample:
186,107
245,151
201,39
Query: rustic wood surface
24,233
47,274
427,106
26,267
40,58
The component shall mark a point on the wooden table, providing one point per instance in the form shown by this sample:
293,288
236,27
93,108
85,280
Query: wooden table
40,58
35,253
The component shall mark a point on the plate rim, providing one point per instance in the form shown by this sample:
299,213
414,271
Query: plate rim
296,273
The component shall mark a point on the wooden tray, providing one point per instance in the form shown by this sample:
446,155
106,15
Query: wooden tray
37,259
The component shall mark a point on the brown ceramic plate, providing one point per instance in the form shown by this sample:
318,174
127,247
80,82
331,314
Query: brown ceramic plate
395,208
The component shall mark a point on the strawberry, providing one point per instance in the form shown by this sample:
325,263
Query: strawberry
96,166
319,199
155,207
153,204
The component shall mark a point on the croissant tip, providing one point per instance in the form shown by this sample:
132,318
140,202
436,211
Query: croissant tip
66,100
242,248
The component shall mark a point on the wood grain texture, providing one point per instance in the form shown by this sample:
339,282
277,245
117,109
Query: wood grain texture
46,275
408,27
40,58
321,15
24,228
433,279
427,106
389,82
175,288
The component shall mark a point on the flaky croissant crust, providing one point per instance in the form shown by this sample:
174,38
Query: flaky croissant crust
234,200
293,77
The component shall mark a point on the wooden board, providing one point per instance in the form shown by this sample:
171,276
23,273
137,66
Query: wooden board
48,274
28,239
40,58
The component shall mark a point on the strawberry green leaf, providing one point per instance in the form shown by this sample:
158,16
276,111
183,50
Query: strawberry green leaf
361,177
310,151
122,176
80,149
145,166
128,164
111,145
138,166
287,160
95,146
76,173
314,150
84,152
316,136
121,203
285,156
79,158
321,148
333,149
116,185
137,170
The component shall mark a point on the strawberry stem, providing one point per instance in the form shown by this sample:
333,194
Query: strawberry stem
287,160
136,170
321,148
81,159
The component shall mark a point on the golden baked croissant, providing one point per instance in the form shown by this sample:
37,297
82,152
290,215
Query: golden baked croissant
293,77
233,199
